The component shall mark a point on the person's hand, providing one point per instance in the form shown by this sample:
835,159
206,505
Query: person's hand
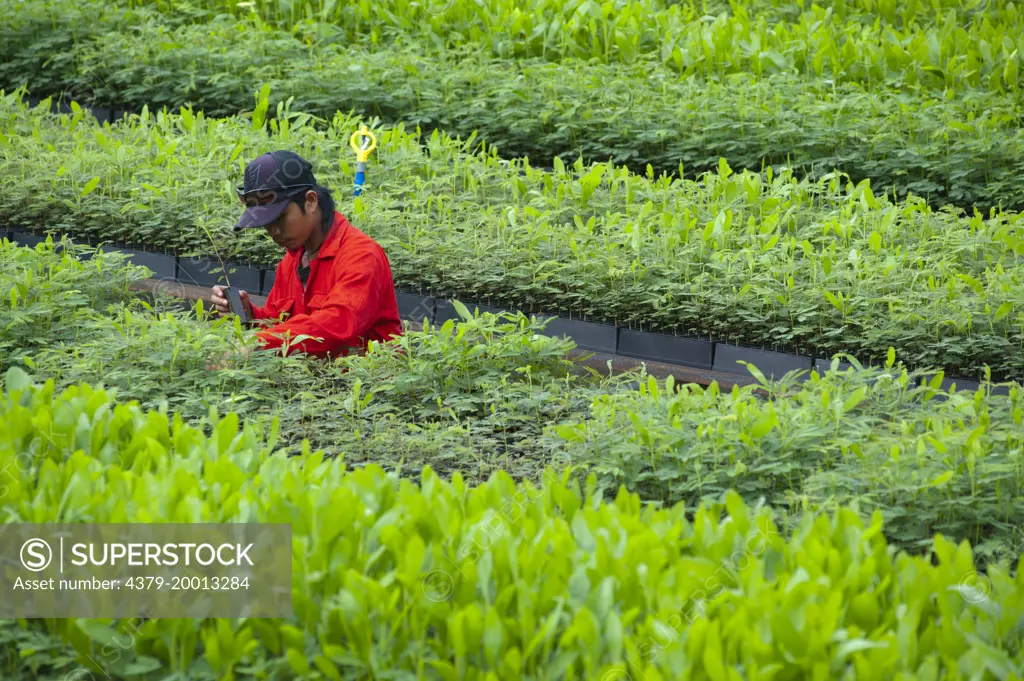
221,304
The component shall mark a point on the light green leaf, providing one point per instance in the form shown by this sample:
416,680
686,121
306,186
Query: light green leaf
854,399
445,669
848,648
763,425
569,432
836,303
972,282
142,665
493,636
90,186
16,379
327,668
297,661
462,310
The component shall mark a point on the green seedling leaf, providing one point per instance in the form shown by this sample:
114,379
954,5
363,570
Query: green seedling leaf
972,282
851,402
297,661
16,380
462,310
572,433
763,425
327,668
143,664
754,371
836,303
90,186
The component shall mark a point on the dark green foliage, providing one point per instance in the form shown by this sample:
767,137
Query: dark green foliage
964,147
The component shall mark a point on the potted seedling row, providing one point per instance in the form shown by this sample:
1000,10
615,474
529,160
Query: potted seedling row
823,366
61,104
445,310
960,385
586,335
695,228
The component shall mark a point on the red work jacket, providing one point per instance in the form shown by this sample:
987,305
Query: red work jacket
349,298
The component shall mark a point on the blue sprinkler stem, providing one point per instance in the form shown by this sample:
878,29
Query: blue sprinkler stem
360,176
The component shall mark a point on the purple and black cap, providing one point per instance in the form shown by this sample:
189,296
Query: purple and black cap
271,181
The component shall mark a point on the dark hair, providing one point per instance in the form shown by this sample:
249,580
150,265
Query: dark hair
325,200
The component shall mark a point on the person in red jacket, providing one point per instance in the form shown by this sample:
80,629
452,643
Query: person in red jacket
334,283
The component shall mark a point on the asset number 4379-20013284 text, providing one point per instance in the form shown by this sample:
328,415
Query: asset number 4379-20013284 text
135,583
187,583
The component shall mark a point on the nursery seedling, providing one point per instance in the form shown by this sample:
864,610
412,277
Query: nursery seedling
234,296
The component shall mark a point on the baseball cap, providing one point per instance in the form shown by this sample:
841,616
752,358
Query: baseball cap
271,181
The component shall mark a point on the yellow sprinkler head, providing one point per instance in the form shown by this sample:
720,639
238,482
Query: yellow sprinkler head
369,143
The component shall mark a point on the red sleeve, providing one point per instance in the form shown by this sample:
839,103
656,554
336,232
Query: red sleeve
272,310
348,313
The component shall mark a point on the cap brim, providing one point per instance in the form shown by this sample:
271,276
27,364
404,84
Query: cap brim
261,216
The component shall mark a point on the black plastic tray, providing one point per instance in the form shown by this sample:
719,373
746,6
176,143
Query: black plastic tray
267,281
27,238
771,364
415,306
660,347
162,265
587,335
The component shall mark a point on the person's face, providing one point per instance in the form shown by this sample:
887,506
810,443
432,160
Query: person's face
293,228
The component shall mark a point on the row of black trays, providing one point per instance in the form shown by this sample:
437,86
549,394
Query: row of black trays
715,356
62,104
599,337
195,271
